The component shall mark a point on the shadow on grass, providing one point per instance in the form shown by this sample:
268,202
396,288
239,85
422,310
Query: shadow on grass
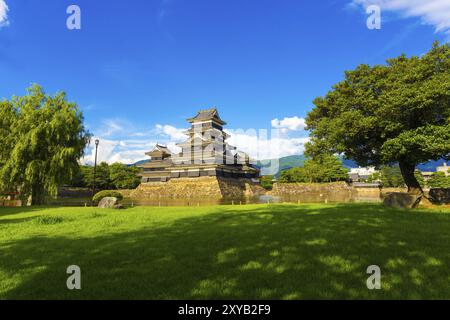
272,252
6,211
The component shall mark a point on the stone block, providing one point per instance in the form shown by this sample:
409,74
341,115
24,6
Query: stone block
401,200
440,195
108,203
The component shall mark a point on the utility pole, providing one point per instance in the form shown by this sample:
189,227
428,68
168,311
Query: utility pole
95,166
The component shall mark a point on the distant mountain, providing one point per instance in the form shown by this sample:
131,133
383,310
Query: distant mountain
270,166
141,162
295,161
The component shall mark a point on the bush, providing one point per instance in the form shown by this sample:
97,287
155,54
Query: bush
107,193
267,182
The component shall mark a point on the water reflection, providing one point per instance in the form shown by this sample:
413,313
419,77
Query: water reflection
337,197
307,197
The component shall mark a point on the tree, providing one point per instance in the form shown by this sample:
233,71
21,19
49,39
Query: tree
102,177
374,177
394,113
123,176
267,182
77,180
419,177
42,138
296,174
115,176
439,180
330,168
391,176
324,168
8,116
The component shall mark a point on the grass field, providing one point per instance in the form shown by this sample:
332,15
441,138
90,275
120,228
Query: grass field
241,252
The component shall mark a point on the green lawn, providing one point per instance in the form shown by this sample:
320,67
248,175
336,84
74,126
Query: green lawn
242,252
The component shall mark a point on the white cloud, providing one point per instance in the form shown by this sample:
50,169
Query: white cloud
111,151
111,127
121,141
261,146
3,13
173,133
293,123
431,12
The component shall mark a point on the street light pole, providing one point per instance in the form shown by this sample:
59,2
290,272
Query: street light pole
95,166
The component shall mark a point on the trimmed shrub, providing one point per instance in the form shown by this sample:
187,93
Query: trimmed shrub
107,193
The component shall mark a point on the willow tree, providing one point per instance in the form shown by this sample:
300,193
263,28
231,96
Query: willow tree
384,114
42,137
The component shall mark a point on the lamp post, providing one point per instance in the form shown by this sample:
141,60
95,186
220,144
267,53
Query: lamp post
95,166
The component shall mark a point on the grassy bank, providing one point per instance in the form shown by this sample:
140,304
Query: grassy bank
254,251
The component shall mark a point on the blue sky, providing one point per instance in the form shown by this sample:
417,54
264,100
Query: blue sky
139,68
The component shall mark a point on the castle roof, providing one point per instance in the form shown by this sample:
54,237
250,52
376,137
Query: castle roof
205,115
159,149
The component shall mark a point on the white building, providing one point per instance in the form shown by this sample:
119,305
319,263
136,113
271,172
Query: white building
444,168
361,173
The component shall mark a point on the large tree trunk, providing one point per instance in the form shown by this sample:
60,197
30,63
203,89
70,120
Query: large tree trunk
407,170
37,195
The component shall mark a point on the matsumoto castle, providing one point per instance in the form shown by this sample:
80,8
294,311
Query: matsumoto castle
205,153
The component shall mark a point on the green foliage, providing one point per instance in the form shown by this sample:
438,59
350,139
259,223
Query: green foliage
419,178
107,193
383,114
102,176
77,180
439,180
324,168
42,138
123,176
115,176
374,177
391,176
297,174
267,182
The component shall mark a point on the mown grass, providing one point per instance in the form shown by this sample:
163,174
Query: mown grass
237,252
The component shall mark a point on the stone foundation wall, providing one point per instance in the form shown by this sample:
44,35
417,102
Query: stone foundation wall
334,191
368,192
313,192
440,195
196,188
386,190
280,189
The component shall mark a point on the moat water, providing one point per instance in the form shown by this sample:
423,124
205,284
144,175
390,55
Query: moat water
336,197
